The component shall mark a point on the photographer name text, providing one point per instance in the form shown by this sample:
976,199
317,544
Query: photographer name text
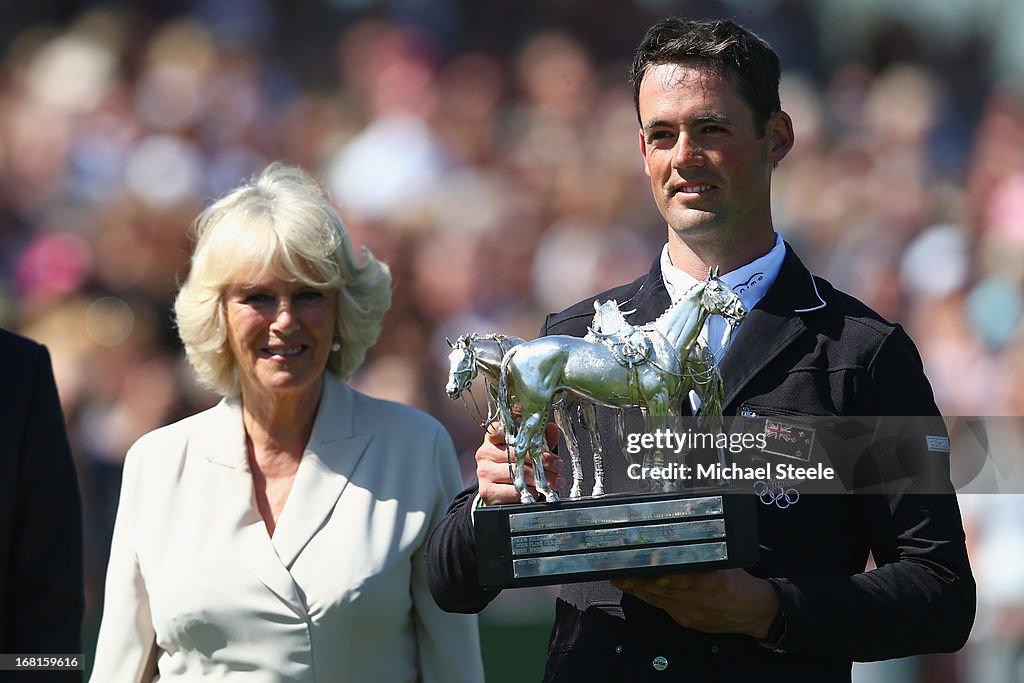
779,471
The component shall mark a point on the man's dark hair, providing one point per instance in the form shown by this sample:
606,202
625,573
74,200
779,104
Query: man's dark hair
732,50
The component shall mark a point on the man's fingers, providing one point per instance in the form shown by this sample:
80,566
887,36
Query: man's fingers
498,494
668,583
497,471
552,463
490,453
651,598
492,472
551,474
495,434
492,466
551,433
495,484
670,587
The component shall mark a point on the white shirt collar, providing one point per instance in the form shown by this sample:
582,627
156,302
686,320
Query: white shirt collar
750,282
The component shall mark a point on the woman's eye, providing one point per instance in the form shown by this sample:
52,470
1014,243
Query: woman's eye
258,299
310,296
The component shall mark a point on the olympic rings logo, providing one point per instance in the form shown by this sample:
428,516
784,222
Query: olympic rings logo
777,496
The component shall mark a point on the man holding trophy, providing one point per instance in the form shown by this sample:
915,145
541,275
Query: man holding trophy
711,132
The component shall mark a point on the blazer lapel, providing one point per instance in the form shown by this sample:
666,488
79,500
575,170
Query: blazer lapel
224,447
651,300
326,468
772,326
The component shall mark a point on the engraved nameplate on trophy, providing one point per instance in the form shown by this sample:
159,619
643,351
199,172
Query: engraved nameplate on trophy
615,536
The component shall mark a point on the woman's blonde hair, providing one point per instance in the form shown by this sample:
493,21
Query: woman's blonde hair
281,221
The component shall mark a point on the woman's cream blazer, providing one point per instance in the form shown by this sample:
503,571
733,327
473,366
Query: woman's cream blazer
197,590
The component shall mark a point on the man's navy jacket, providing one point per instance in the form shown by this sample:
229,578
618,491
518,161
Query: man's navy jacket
805,350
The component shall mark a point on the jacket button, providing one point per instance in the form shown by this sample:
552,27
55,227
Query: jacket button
714,649
660,663
618,649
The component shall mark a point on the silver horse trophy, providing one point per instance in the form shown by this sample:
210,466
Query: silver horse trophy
617,365
652,367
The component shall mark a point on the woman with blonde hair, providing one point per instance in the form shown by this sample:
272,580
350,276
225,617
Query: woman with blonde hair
278,536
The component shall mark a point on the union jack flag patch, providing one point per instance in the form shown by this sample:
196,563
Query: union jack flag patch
788,440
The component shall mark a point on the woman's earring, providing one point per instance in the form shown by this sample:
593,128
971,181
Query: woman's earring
335,346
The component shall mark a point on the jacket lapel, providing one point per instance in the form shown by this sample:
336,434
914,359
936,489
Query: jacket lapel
651,299
224,447
326,468
773,325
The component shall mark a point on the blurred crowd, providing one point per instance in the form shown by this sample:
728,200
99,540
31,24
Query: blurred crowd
488,153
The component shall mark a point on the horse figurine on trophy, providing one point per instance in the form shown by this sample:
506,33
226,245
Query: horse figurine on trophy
474,354
631,344
648,371
471,355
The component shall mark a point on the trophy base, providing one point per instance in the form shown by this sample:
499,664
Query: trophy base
615,536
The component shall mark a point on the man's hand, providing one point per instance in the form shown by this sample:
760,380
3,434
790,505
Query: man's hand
492,468
722,601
